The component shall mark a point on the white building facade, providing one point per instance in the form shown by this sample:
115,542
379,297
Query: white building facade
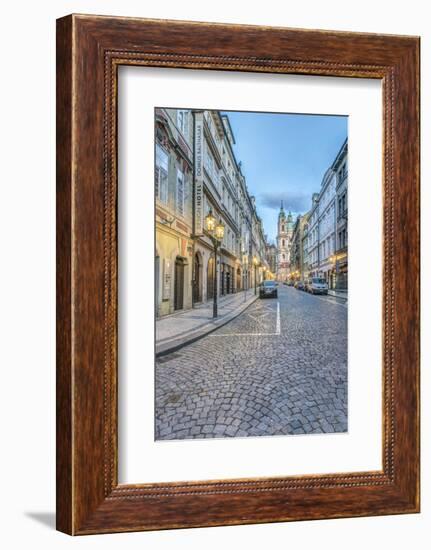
327,226
340,256
326,232
313,238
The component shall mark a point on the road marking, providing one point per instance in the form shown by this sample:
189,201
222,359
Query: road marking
259,316
277,326
276,333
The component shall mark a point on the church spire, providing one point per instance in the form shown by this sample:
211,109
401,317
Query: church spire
281,213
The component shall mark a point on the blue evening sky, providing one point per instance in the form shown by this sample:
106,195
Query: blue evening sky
285,156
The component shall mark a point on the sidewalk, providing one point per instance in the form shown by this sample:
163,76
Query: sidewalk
338,294
176,330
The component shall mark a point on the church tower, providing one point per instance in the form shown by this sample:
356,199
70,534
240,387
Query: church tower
284,242
282,245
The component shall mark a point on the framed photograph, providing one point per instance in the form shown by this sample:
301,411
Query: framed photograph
237,274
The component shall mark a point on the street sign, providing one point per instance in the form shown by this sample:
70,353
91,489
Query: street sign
199,175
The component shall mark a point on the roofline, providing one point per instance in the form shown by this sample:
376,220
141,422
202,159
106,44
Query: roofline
226,117
340,153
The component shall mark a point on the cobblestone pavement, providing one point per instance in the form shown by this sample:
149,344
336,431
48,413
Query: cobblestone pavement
279,368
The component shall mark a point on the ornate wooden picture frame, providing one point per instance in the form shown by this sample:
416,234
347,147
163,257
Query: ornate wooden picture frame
89,51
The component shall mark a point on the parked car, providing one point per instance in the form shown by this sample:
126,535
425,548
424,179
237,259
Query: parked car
299,285
317,285
268,289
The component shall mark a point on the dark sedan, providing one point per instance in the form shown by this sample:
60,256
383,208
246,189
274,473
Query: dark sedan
299,285
268,289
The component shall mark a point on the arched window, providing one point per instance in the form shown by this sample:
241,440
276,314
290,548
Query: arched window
282,228
282,242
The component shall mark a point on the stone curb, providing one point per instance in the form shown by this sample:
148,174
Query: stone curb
175,344
345,298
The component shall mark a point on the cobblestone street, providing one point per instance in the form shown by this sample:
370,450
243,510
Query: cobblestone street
278,368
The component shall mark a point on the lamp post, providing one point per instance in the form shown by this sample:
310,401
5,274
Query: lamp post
215,232
255,262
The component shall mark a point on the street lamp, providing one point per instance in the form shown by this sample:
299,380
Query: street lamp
255,262
216,233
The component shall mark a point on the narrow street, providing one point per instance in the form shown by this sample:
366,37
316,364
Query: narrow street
279,368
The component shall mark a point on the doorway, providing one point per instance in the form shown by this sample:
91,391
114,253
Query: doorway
157,289
197,288
179,284
238,279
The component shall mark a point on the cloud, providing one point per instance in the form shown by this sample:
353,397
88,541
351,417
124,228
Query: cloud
293,201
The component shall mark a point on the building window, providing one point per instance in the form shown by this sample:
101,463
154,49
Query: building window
282,242
161,175
180,192
343,171
183,122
